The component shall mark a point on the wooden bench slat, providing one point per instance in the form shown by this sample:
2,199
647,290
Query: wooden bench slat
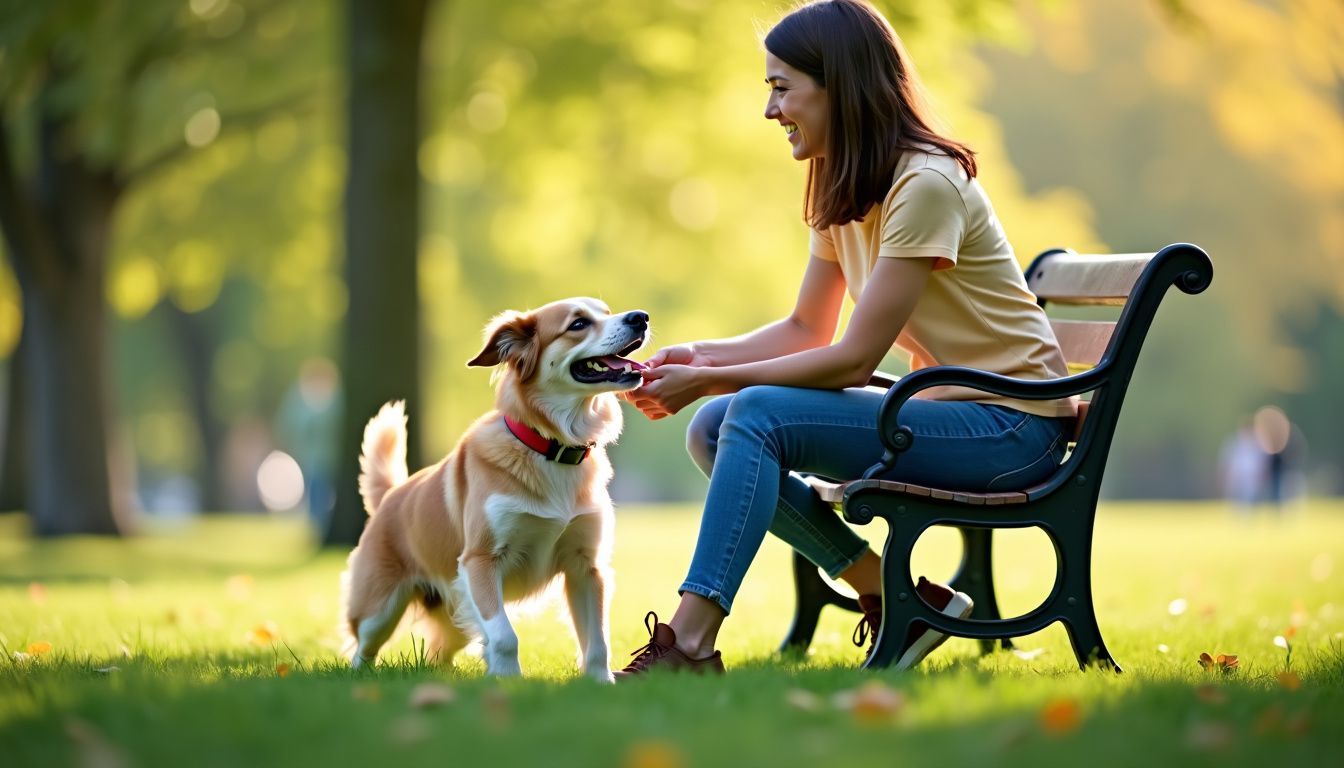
834,493
1071,278
1083,341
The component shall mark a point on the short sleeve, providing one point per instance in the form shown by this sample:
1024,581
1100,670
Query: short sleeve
822,245
924,217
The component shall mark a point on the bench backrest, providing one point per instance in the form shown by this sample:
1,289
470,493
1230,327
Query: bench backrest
1105,350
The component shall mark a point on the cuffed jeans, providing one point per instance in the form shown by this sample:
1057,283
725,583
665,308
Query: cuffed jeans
749,443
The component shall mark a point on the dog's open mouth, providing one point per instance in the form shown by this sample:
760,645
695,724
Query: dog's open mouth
608,368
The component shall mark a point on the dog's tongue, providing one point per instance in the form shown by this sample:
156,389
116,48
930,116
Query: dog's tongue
617,363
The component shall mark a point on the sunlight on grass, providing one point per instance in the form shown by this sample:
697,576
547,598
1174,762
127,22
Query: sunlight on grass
140,650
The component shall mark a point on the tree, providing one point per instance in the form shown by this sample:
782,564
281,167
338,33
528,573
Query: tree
382,229
88,97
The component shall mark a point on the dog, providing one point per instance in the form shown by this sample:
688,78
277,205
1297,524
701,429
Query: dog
520,500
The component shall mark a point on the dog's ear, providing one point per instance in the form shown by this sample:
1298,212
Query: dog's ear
511,338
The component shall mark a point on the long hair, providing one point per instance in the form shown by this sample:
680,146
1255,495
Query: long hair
877,105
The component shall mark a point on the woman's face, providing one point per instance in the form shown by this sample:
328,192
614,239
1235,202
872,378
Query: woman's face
800,106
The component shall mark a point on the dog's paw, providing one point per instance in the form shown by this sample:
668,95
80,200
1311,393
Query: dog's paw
601,675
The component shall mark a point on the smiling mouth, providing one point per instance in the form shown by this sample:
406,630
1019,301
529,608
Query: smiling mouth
609,368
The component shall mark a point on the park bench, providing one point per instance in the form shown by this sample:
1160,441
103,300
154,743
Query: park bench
1101,357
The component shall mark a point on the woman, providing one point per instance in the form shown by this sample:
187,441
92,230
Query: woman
899,222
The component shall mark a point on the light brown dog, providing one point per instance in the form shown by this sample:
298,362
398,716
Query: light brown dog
497,519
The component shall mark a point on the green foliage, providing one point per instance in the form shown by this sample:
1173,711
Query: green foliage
168,647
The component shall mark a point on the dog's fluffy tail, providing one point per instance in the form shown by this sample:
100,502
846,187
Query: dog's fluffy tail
382,459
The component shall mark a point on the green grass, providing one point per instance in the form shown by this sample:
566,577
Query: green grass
160,656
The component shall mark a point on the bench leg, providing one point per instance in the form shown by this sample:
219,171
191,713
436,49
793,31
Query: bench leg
1085,636
975,577
811,593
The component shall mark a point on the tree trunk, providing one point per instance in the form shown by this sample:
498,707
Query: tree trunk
382,199
14,464
194,341
67,383
58,229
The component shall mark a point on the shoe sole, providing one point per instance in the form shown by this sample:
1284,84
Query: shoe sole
960,607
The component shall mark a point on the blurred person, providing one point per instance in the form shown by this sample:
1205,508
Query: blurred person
306,427
899,222
1282,446
1243,468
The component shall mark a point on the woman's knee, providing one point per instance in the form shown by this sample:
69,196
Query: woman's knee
754,409
702,434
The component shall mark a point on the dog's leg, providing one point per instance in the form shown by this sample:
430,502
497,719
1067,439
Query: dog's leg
373,630
446,638
486,590
586,591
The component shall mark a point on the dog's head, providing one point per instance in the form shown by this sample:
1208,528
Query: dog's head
573,346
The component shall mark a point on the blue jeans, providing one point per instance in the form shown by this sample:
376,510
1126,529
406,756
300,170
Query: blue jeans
749,442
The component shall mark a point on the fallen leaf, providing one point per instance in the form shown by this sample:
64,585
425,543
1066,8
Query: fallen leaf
431,695
873,703
282,669
1224,663
805,700
263,634
1289,680
653,754
1061,716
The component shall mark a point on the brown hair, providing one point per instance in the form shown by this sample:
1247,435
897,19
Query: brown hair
876,100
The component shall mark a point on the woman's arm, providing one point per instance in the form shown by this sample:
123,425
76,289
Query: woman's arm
888,300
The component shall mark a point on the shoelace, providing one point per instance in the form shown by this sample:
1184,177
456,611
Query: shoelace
651,651
862,631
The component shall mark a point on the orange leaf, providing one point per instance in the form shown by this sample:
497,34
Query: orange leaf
282,669
1061,716
654,754
1224,663
1289,680
38,648
263,634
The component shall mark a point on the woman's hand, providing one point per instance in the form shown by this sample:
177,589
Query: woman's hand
668,388
678,354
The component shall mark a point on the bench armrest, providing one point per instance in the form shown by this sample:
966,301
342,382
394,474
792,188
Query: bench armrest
896,438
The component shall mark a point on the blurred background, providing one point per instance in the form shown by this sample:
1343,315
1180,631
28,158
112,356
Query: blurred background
232,228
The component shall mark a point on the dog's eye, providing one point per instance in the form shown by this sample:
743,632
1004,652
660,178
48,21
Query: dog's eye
580,324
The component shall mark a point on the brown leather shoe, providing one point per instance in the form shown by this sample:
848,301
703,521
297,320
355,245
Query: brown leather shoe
661,652
869,623
922,639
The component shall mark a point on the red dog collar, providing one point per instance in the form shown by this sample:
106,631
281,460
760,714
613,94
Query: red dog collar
548,447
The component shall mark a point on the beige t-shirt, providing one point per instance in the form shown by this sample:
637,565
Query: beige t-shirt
976,310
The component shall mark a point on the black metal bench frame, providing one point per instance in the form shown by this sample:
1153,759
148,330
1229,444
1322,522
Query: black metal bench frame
1064,506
